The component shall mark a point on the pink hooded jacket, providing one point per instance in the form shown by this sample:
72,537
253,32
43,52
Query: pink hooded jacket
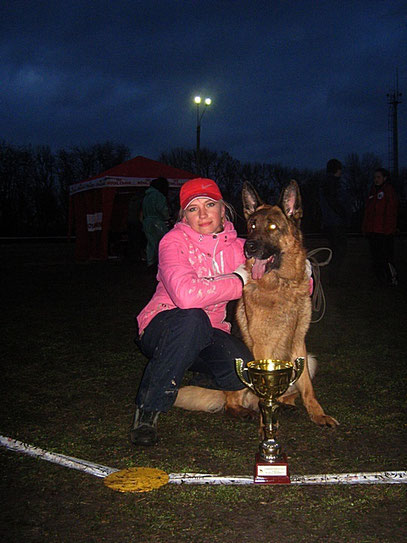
195,271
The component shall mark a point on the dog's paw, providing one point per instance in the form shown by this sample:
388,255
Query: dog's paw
242,413
325,420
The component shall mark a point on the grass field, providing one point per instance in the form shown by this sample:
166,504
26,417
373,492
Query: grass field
70,372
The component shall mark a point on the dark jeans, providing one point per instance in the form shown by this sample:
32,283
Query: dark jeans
382,254
183,339
136,245
338,242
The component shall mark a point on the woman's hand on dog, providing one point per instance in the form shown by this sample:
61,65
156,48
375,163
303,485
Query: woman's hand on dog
242,272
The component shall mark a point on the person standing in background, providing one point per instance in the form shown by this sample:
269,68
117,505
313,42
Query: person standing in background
335,210
379,225
155,217
136,237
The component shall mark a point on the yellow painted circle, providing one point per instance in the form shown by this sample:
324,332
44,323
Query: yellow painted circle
136,479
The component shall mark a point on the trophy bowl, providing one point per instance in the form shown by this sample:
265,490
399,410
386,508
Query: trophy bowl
270,378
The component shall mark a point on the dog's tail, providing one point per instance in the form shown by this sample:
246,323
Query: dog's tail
312,364
194,398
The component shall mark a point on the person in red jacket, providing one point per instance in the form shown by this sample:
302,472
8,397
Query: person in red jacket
380,224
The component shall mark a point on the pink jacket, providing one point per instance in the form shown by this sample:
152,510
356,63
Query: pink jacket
195,271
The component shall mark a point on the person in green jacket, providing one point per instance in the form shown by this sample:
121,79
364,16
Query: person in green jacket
155,217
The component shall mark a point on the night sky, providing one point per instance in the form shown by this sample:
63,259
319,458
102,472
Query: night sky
292,81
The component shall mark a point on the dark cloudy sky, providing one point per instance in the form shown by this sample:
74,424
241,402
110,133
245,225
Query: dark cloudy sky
292,81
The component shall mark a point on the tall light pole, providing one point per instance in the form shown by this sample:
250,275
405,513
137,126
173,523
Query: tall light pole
394,99
199,115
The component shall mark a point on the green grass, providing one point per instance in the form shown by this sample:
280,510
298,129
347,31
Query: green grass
70,373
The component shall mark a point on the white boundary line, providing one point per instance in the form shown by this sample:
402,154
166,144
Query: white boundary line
383,477
68,461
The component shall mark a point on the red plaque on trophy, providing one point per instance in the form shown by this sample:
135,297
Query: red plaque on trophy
267,473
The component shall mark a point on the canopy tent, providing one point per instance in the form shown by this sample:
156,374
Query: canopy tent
99,205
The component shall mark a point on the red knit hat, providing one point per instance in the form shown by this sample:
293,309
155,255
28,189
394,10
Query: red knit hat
198,188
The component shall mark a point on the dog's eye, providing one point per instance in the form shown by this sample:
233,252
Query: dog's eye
253,226
272,226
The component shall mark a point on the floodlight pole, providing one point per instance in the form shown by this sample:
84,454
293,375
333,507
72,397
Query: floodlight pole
394,99
199,116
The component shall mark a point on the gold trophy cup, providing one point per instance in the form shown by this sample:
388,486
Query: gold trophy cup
270,379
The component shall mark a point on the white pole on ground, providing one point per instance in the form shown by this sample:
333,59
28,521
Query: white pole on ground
382,477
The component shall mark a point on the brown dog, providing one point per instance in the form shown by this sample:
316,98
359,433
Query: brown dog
274,312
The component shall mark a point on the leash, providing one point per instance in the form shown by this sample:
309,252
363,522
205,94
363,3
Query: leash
318,299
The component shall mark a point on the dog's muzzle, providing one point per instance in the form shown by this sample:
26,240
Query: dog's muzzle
254,248
266,257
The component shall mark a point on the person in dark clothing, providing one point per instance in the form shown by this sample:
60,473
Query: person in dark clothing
379,225
155,217
335,210
136,248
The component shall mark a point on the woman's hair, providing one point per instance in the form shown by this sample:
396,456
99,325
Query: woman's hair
230,213
161,184
333,165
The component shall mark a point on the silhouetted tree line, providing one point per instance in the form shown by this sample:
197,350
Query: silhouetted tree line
269,179
34,183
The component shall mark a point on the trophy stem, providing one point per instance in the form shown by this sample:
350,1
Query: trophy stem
270,449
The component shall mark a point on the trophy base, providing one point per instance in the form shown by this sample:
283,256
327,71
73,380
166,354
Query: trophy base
269,473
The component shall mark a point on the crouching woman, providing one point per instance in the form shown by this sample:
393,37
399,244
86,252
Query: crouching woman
183,327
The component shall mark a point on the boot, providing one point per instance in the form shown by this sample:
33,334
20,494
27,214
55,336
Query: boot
144,429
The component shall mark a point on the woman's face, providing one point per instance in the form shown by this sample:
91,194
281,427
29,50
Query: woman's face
205,216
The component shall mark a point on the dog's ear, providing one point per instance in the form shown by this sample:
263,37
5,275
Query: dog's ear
251,200
290,202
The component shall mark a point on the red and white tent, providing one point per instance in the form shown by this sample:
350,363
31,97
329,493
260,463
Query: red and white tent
99,205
